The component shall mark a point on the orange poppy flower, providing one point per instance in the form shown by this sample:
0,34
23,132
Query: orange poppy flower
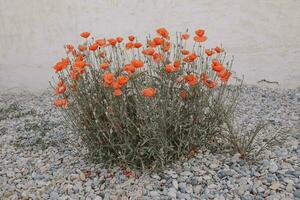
217,66
218,49
66,61
74,74
60,89
158,41
149,92
191,79
209,52
129,68
138,45
93,47
224,76
203,76
116,85
61,65
60,83
137,63
108,78
192,57
85,34
169,68
104,65
215,62
102,54
101,42
122,80
129,45
200,39
82,48
117,92
148,51
163,32
119,39
200,32
185,36
131,38
222,73
157,57
177,64
79,64
210,83
183,94
61,103
112,41
69,47
185,52
79,57
166,46
151,43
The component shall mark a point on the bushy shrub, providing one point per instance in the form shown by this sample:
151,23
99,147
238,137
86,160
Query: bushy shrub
145,105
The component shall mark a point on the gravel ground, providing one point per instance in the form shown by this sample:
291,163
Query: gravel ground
39,161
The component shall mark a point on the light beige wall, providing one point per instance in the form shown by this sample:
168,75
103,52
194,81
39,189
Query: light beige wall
262,34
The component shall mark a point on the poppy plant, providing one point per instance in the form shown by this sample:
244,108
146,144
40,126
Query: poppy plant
144,103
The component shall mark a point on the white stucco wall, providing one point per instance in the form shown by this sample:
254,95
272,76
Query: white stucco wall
264,35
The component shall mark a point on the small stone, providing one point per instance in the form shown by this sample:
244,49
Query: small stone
273,167
236,157
175,184
296,174
98,198
172,193
155,176
289,187
73,177
113,197
25,195
82,176
212,186
221,174
297,193
243,188
275,186
54,195
247,197
182,187
10,174
269,178
154,194
197,189
180,195
214,165
228,172
189,188
186,173
242,162
260,189
206,177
